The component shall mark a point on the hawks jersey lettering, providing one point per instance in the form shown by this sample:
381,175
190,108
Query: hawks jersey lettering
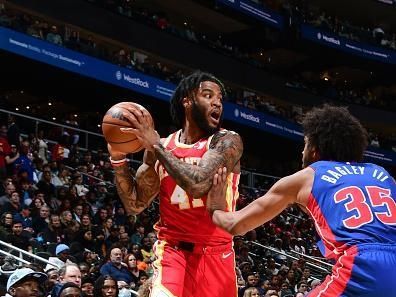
181,216
352,204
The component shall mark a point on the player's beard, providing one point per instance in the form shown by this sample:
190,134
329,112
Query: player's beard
199,117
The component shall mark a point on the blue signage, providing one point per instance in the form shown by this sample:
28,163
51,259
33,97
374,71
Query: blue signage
356,48
52,54
262,121
257,11
49,53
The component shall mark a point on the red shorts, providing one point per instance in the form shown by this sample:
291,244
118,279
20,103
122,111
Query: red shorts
184,269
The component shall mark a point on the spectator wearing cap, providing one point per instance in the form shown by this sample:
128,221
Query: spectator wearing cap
62,253
116,268
25,282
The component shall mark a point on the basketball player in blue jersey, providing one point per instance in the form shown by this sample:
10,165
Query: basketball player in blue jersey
352,204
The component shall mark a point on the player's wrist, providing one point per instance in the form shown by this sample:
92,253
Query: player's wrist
118,160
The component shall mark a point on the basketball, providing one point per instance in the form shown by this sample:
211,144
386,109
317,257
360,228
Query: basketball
111,124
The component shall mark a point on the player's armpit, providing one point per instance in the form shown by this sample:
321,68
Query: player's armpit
137,194
225,150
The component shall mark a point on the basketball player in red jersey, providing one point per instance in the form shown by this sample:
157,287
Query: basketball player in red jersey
194,257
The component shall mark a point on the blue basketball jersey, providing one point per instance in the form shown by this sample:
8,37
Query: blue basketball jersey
352,204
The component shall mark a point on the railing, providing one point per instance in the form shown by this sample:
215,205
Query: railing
319,269
21,253
90,139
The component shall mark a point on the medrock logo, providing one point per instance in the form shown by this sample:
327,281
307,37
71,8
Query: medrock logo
118,75
236,112
319,35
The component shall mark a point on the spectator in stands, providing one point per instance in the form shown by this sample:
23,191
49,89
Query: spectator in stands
37,203
115,268
54,233
11,158
251,282
87,286
13,132
302,288
54,37
131,262
5,225
106,286
40,147
138,235
9,189
17,238
251,292
41,223
77,212
25,282
45,186
70,273
26,219
24,162
14,205
53,279
5,151
70,290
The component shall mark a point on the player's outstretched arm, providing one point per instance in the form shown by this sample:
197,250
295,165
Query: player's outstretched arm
288,190
225,151
137,193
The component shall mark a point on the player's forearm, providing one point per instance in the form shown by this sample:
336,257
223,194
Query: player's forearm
228,222
134,197
195,180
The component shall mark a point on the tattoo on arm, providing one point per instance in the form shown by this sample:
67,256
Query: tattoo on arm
136,194
225,150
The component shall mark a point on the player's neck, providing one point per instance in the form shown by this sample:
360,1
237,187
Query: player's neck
190,134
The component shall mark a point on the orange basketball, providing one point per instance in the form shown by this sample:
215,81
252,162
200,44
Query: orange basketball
111,124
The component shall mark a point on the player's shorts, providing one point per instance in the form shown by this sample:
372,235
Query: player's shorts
366,270
184,269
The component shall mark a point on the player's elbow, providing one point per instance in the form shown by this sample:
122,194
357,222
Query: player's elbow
198,190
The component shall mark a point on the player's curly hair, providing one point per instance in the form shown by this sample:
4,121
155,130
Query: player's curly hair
185,88
335,133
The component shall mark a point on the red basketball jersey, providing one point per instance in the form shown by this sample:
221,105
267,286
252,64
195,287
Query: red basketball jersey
183,218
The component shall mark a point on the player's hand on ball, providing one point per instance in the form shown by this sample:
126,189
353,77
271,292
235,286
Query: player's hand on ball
217,194
114,154
144,128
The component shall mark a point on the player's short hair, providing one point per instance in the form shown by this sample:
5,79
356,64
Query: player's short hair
335,133
185,88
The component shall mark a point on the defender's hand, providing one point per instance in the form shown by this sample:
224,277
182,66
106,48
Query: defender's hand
217,195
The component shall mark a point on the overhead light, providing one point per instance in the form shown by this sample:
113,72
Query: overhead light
98,125
28,107
76,115
16,108
54,118
261,53
326,78
49,103
21,91
185,23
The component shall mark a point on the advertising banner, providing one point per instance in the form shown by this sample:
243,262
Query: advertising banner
257,11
